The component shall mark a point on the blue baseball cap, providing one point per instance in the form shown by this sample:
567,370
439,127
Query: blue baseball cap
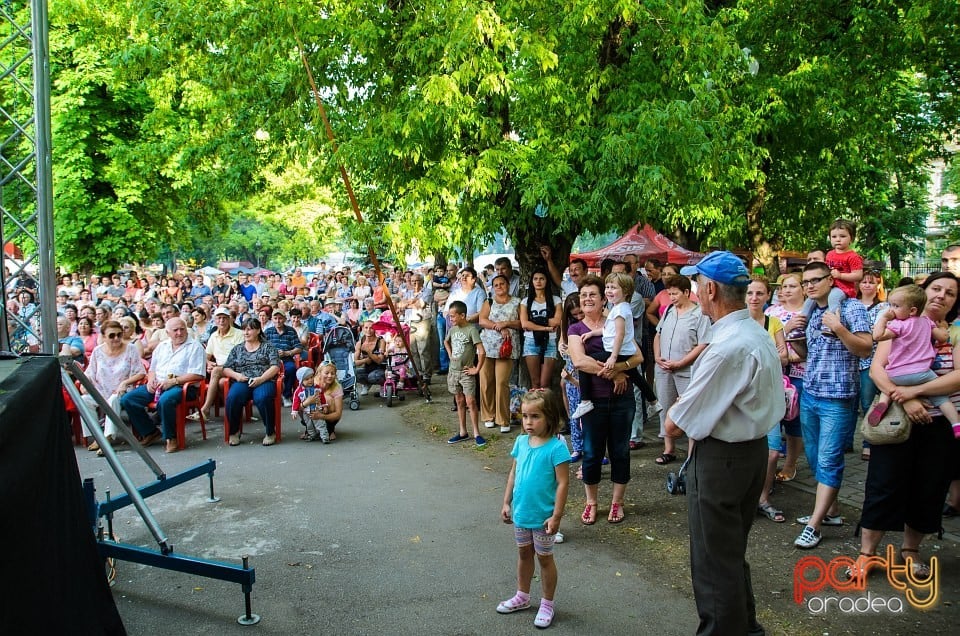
723,267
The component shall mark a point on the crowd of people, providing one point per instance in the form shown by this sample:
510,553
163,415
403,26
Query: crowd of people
641,339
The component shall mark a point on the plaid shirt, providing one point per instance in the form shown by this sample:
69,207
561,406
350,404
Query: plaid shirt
286,341
832,371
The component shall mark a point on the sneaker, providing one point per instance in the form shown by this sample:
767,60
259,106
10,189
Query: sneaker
480,441
504,429
269,440
287,402
796,335
364,389
558,538
655,407
323,432
827,521
809,538
489,424
457,438
582,409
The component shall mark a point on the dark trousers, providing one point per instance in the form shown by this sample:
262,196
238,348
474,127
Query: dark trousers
264,398
724,481
606,430
289,377
636,378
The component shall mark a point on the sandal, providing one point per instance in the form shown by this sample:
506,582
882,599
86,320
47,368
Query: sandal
616,513
876,413
920,569
783,477
666,458
859,569
865,455
589,516
771,513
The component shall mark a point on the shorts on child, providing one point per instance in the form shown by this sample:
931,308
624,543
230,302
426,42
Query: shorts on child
542,542
922,377
460,382
530,347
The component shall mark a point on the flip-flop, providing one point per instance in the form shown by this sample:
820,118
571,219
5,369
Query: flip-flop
783,477
616,513
589,516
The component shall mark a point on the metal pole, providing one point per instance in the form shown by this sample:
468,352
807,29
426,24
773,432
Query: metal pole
131,489
41,108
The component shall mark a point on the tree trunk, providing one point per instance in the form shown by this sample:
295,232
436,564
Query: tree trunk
764,250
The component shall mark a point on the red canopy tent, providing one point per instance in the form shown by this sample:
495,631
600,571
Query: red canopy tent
646,243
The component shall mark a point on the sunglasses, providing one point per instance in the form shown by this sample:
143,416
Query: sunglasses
114,335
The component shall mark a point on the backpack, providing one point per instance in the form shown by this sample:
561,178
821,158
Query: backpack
793,401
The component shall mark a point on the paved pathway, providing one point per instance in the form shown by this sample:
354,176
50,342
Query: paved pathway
386,531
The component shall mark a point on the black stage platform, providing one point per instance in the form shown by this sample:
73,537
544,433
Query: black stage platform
53,579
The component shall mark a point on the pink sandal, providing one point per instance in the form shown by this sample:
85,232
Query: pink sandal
876,413
589,516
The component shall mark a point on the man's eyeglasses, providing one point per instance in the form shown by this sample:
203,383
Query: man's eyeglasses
813,281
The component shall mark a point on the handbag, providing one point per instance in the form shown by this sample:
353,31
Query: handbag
506,348
792,410
893,428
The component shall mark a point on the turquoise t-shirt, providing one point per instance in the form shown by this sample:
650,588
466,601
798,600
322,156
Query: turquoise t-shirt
535,481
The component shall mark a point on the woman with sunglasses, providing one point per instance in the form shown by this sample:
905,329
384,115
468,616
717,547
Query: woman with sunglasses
114,368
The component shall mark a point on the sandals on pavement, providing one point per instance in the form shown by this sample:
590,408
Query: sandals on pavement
616,513
666,458
771,513
589,516
920,569
783,477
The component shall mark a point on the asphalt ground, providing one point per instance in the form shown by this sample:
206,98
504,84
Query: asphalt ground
388,530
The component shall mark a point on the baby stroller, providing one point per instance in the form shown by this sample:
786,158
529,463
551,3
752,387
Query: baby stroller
338,347
397,367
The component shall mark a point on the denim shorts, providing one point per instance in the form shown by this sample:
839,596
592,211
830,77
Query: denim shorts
531,349
826,423
542,542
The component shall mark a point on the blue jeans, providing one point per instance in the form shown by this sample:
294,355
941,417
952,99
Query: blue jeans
826,423
289,377
606,429
442,334
135,404
264,398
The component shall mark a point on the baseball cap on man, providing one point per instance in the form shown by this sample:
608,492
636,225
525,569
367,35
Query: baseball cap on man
222,311
722,267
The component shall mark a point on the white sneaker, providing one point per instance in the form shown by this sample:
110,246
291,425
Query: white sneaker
582,409
808,539
504,429
364,389
558,538
489,424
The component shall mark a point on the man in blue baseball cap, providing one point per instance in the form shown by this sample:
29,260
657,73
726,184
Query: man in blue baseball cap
734,397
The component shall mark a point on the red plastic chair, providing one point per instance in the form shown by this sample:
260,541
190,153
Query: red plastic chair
185,407
277,406
74,414
314,352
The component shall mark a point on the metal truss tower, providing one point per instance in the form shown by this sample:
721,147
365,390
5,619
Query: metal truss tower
26,189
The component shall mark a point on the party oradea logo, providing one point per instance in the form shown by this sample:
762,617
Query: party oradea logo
840,585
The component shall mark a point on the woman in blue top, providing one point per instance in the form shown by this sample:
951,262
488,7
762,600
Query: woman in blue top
537,490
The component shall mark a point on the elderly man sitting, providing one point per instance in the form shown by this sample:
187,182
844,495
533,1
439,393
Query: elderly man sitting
175,361
224,338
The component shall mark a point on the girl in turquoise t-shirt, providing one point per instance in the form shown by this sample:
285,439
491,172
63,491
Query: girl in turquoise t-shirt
537,491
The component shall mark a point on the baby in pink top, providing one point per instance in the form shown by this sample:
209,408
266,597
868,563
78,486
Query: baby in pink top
912,351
